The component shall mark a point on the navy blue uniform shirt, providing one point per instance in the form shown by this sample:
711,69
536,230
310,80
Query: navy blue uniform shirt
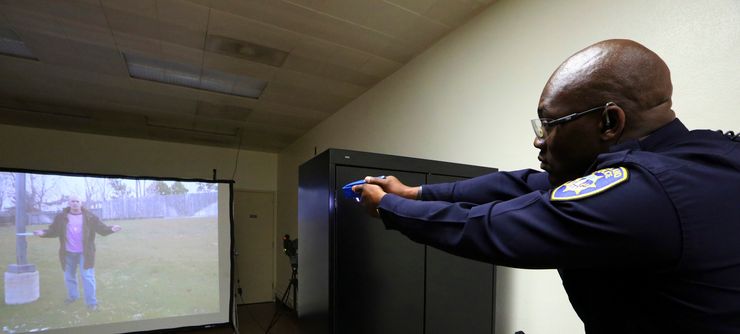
648,242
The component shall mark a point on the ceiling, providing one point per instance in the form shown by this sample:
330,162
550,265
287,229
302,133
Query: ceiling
312,57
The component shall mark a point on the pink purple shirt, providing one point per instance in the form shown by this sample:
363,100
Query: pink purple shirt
74,233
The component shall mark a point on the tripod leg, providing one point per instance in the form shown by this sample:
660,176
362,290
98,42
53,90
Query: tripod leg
284,299
294,284
295,292
276,316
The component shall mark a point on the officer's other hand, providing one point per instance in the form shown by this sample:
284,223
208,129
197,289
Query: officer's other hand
371,194
39,233
116,228
393,185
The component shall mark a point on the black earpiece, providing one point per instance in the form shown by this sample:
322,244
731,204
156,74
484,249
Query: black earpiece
608,122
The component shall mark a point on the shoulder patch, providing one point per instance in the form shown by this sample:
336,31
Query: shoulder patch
598,182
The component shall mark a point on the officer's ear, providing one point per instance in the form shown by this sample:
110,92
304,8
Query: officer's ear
612,122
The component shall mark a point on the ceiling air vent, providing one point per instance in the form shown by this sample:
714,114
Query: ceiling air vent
246,50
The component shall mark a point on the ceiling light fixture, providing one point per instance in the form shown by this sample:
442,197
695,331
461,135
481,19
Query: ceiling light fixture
12,45
146,68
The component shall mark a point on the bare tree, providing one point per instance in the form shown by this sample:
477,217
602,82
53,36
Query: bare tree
159,188
9,187
96,190
207,186
89,190
2,190
140,188
178,188
103,189
120,190
41,187
4,187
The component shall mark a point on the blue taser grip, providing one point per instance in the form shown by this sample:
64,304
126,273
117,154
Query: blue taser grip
347,189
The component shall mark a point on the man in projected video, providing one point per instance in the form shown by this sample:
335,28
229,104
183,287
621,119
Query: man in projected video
76,228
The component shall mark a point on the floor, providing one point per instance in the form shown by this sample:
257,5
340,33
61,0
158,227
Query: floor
255,319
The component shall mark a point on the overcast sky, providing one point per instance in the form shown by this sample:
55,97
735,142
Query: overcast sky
59,186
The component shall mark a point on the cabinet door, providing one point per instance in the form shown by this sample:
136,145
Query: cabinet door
459,291
379,274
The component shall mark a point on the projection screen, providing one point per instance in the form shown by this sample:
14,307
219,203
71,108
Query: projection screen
113,254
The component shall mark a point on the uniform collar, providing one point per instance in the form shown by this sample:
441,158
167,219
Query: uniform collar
663,137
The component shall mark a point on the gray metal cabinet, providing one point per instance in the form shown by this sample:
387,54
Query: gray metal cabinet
356,277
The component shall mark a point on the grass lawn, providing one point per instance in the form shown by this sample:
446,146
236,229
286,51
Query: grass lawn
152,268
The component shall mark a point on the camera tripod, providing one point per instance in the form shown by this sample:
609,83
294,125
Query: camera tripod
292,284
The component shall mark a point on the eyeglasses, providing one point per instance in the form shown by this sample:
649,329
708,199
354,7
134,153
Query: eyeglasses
540,125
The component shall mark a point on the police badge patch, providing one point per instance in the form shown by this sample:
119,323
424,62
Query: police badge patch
599,181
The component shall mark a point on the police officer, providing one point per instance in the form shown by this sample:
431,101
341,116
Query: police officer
636,212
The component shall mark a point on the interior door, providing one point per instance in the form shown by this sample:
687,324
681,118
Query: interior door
378,274
253,240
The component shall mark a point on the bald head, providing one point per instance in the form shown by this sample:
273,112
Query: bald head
624,72
621,71
75,204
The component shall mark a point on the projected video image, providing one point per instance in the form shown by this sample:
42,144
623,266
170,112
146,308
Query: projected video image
81,251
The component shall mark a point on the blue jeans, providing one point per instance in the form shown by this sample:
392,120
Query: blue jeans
72,261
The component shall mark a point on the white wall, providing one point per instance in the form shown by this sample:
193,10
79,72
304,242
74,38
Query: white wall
469,98
52,150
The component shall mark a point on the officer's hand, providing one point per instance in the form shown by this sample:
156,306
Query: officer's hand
371,196
115,228
392,185
39,233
